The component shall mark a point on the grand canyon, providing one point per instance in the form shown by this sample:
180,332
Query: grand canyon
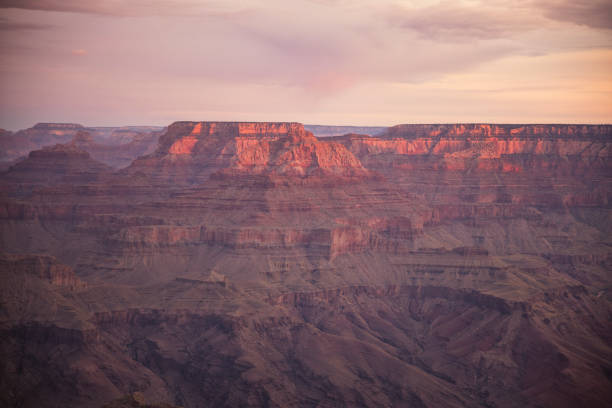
272,264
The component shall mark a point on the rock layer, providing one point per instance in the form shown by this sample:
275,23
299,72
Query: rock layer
189,152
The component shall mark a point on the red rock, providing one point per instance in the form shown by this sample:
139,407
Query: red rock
189,152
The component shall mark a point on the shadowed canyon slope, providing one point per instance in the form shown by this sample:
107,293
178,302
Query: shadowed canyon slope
114,146
254,264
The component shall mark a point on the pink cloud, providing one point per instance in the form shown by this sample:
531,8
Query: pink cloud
459,21
591,13
187,55
11,25
131,8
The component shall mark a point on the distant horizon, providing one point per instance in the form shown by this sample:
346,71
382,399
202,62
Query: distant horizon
353,63
308,124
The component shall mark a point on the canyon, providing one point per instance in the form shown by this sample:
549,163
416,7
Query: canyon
114,146
256,264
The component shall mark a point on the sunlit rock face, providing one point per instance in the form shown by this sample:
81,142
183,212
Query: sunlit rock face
190,152
488,141
552,165
253,264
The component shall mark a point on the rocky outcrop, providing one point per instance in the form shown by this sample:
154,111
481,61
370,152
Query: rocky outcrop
189,152
529,165
343,236
44,267
36,368
18,144
488,142
478,130
334,296
59,164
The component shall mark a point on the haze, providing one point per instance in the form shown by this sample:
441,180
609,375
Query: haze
364,62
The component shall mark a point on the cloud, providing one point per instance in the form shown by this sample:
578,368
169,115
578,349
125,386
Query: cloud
460,21
272,56
591,13
11,25
329,49
125,8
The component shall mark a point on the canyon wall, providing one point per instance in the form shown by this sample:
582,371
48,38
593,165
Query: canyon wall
254,264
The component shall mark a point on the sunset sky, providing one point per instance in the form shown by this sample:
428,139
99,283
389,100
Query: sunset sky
361,62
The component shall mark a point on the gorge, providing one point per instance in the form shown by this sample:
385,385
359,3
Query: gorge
256,264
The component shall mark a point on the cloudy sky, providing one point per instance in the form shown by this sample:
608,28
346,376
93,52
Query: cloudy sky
363,62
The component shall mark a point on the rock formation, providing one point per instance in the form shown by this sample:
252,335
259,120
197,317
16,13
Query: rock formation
116,147
62,163
253,264
190,152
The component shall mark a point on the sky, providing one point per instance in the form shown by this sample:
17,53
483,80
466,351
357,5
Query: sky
335,62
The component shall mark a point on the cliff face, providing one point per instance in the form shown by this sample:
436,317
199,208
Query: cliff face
532,164
44,267
252,264
485,148
19,144
488,141
463,131
62,163
189,152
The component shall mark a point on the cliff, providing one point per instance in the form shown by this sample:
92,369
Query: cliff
18,144
189,152
61,163
476,130
531,164
487,141
44,267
